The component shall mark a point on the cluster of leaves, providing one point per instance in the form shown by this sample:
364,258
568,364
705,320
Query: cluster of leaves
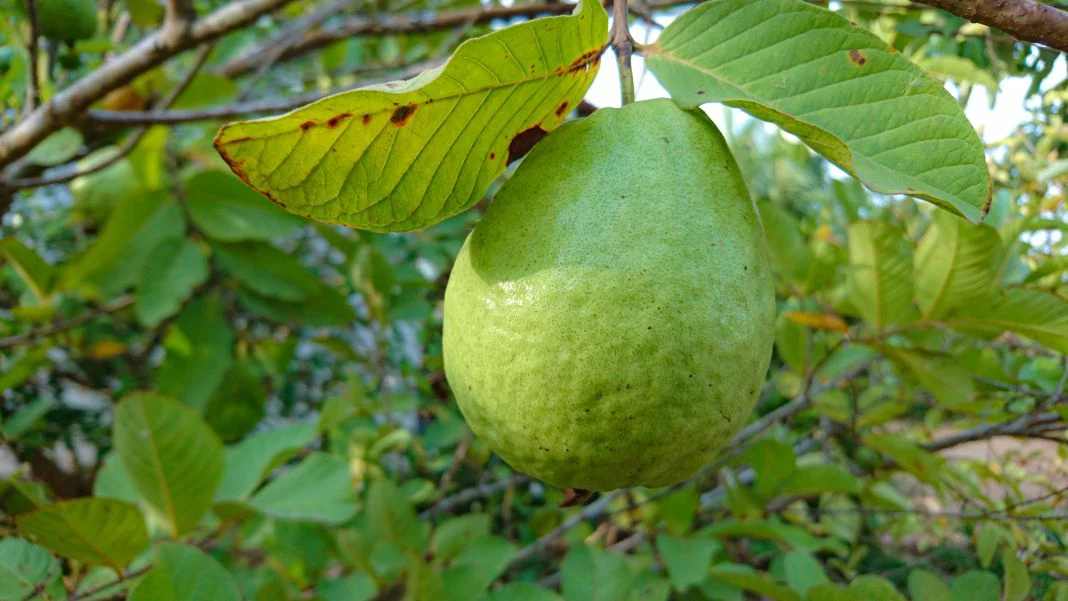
299,440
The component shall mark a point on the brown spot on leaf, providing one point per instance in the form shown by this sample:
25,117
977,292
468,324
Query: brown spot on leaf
857,57
701,92
337,119
524,141
366,119
239,140
402,114
307,125
584,59
561,109
493,155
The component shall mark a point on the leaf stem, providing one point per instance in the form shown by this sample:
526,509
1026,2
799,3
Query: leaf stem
623,44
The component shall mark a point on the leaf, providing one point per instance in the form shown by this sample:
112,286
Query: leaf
789,250
391,517
172,270
747,578
24,567
987,537
239,404
113,482
802,571
423,583
956,265
960,69
810,480
406,155
27,417
199,353
521,591
248,462
910,456
457,533
925,585
268,271
171,455
833,592
976,586
772,461
484,561
686,559
818,321
318,489
875,588
1038,314
943,375
836,86
1017,581
227,210
184,573
354,587
57,148
328,308
590,574
99,531
136,226
880,273
32,269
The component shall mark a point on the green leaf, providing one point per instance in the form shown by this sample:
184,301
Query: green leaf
57,148
790,251
802,571
354,587
172,270
836,86
910,456
521,591
24,567
987,537
199,353
880,273
961,70
136,226
407,155
956,265
810,480
18,496
876,588
184,573
318,489
976,586
28,416
1038,314
423,583
833,592
943,375
101,531
227,210
327,308
747,578
1017,581
456,534
686,559
249,461
172,456
31,268
238,405
113,482
391,517
925,585
486,559
772,461
590,574
268,271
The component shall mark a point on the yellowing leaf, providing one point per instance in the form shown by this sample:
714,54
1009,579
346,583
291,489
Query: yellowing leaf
406,155
106,349
819,321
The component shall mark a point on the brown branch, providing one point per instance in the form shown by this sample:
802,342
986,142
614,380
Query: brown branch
62,326
391,24
66,106
72,171
33,86
1027,20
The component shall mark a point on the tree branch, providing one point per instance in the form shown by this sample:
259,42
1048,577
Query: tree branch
66,106
1027,20
390,24
61,326
33,86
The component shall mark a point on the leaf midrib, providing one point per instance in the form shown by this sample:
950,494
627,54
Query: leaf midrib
157,462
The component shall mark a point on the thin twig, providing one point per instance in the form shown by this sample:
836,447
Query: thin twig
623,44
12,341
33,86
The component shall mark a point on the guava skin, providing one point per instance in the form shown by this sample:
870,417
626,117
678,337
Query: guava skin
610,320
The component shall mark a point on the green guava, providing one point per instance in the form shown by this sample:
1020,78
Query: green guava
66,20
610,320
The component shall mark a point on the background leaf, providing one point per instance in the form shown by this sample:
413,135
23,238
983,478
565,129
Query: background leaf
24,567
172,270
172,456
880,273
955,265
106,531
317,489
184,573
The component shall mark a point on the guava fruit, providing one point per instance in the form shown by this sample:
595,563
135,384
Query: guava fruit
610,320
66,20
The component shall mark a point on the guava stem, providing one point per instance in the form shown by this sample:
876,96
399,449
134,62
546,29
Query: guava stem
623,44
574,497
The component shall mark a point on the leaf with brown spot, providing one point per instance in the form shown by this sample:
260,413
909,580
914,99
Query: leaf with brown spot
838,87
423,149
